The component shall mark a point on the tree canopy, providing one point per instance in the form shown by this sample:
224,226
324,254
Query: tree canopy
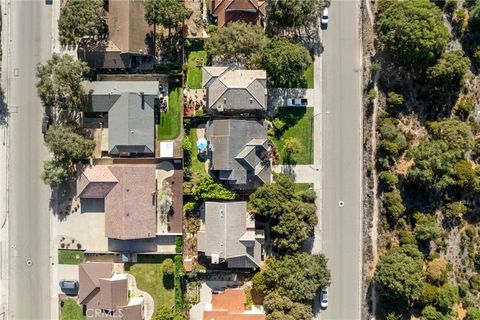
298,277
426,228
60,82
399,274
292,215
281,307
168,13
294,13
54,173
413,32
249,43
209,189
449,70
79,19
285,62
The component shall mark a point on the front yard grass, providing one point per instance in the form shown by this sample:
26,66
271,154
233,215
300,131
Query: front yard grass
308,74
196,59
298,125
70,310
300,187
66,256
169,125
150,278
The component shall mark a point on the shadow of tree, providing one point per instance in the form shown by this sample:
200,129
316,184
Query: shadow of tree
168,281
4,113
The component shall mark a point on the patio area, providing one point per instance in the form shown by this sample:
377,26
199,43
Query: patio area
194,102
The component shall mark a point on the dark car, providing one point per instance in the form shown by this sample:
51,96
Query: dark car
69,287
45,124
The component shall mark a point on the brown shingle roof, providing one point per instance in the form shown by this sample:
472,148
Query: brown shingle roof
89,275
237,10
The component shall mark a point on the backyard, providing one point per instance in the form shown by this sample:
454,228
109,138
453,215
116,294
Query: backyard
150,278
169,124
297,124
70,256
70,310
194,165
196,59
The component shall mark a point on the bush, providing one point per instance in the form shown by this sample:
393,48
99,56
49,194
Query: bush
209,189
430,313
168,267
465,105
388,179
426,227
473,314
447,297
429,294
278,124
179,271
178,244
394,99
437,270
372,94
393,205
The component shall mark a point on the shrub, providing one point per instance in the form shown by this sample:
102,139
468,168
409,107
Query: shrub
430,313
278,124
426,227
179,271
473,314
394,99
388,179
178,244
372,94
168,267
447,297
437,270
393,205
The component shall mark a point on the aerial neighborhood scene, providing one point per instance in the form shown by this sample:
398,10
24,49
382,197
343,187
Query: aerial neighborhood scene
240,159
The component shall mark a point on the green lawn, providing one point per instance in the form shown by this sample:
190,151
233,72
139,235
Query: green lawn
309,76
196,59
169,127
70,310
299,125
300,187
66,256
198,165
150,279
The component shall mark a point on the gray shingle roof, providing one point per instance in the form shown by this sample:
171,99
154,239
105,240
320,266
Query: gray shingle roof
228,232
235,90
235,148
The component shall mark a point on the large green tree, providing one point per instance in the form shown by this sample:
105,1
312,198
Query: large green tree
292,215
449,70
237,42
54,173
426,227
60,82
295,13
67,145
79,19
168,13
412,31
298,277
285,62
281,307
399,274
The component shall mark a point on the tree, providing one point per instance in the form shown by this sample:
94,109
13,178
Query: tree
430,313
413,32
454,212
388,179
285,62
394,100
437,270
292,146
209,189
54,173
447,297
399,274
474,22
168,267
393,205
294,13
465,174
473,314
79,19
168,13
164,198
250,41
449,70
426,227
429,294
295,225
60,82
152,14
68,146
298,277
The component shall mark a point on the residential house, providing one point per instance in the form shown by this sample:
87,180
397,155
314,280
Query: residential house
228,234
231,305
129,43
239,152
251,11
105,294
130,108
235,92
127,195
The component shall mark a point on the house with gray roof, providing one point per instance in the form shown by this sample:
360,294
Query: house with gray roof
235,91
130,107
228,235
238,152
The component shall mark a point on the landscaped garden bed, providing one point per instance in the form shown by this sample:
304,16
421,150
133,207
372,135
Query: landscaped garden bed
66,256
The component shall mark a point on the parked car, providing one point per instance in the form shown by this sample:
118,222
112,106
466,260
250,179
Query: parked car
324,19
297,102
45,124
324,298
69,287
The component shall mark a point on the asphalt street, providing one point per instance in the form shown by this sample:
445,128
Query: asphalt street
29,27
342,159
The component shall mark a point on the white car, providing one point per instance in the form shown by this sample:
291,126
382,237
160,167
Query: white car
324,298
324,19
297,102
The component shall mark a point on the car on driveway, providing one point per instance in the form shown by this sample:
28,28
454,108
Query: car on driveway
324,298
69,287
324,19
297,102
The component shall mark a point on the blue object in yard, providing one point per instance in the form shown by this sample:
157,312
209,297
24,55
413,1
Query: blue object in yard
202,144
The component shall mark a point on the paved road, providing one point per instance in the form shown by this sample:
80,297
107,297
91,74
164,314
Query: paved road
341,161
30,28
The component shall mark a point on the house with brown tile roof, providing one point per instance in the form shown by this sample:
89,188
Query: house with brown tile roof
129,194
130,38
251,11
105,293
231,305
